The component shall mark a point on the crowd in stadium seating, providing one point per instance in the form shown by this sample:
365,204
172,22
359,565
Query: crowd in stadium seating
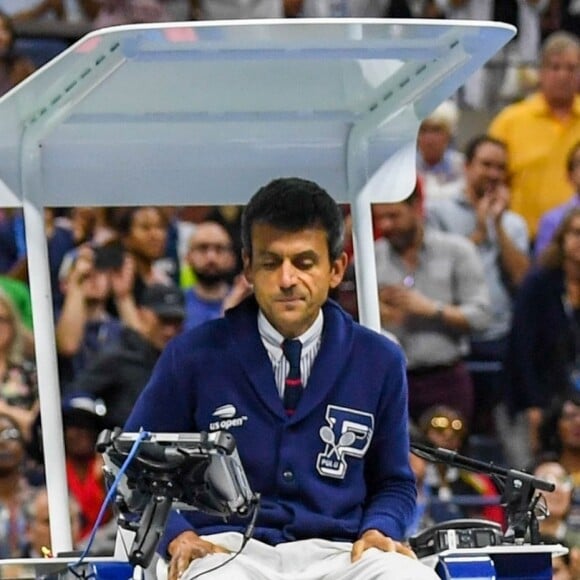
478,271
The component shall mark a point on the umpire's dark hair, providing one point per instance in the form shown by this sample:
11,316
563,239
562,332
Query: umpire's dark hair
292,204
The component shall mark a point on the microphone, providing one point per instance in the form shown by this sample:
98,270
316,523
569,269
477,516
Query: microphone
518,489
433,454
454,459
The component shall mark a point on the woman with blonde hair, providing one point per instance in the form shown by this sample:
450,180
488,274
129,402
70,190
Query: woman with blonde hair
18,385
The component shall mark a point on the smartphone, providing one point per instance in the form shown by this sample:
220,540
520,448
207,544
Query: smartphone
109,256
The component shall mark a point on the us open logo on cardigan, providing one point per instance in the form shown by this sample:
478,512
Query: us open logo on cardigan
226,415
348,433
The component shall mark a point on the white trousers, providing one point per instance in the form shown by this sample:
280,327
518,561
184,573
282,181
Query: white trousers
303,560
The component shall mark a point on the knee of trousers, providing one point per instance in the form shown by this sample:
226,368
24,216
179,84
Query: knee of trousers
377,565
209,567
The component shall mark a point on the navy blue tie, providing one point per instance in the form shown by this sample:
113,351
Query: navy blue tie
293,382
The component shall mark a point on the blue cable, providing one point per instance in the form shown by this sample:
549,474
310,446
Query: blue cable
110,494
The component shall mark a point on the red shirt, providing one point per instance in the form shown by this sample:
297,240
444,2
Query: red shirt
89,493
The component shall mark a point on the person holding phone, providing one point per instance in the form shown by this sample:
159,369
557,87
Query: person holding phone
83,325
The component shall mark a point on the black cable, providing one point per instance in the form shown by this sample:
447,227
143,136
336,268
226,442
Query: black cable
248,533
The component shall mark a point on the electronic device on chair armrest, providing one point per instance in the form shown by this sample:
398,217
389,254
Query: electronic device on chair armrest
158,471
453,534
198,471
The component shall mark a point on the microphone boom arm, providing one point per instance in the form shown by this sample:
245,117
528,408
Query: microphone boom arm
518,488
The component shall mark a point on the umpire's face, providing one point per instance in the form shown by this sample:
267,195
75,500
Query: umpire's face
292,275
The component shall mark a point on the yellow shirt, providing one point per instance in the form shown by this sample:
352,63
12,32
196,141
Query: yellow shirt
538,144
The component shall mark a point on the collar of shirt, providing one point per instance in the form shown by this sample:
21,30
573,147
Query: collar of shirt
462,198
423,245
273,340
441,167
540,107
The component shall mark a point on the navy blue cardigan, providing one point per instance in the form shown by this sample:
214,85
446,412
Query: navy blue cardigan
309,488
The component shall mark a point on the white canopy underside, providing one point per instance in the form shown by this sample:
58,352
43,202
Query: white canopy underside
206,113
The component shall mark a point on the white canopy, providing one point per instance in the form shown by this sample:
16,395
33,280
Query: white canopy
206,113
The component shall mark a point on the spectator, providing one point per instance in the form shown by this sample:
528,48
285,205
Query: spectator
18,385
111,12
559,438
438,164
480,212
92,224
95,226
118,12
570,16
13,262
561,565
84,326
419,465
540,131
12,244
21,10
561,15
484,87
426,8
60,241
550,221
230,216
367,8
558,502
178,10
544,343
340,8
14,489
118,373
83,419
81,11
235,9
143,232
212,260
19,294
444,426
432,295
179,232
14,67
38,525
345,293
